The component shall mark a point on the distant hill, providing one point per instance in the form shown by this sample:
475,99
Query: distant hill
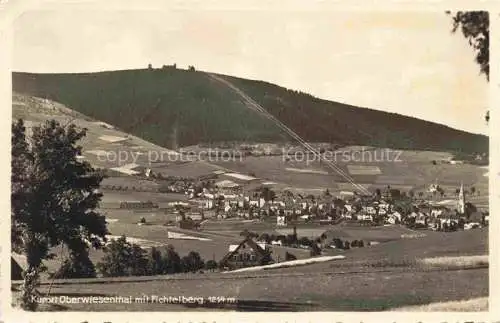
173,107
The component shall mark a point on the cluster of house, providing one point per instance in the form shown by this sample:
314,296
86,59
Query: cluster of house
372,211
428,215
225,199
228,200
178,186
442,218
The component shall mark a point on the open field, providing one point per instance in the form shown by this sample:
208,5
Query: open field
363,170
405,252
362,291
376,233
416,174
132,217
273,168
191,169
111,199
351,232
458,261
129,182
234,227
311,230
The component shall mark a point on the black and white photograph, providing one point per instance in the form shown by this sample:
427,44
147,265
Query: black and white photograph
199,158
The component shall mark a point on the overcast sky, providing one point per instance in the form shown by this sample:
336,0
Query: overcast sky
408,63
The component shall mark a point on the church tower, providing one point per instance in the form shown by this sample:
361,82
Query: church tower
461,200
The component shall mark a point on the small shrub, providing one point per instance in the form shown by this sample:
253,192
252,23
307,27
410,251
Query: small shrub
211,265
347,245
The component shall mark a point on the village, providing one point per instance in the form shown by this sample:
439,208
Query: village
208,198
217,199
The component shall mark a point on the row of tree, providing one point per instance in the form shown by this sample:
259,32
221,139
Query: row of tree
290,240
345,244
122,258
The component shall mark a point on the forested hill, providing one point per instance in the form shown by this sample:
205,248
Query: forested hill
174,107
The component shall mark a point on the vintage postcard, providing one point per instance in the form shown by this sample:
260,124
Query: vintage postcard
209,162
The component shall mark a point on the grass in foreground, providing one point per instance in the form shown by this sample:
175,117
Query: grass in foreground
370,291
435,263
453,262
471,305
